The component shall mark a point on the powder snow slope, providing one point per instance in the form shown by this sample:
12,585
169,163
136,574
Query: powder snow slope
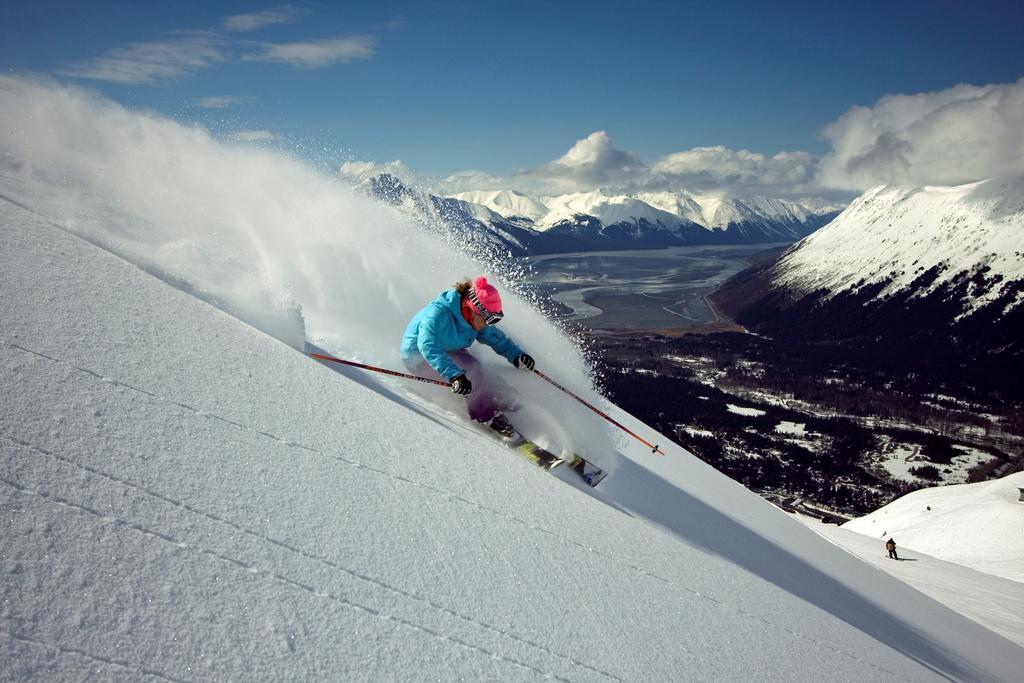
977,525
188,498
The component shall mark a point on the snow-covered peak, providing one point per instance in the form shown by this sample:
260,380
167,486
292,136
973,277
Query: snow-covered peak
609,209
477,211
819,205
712,211
506,203
668,208
719,211
777,208
896,234
681,204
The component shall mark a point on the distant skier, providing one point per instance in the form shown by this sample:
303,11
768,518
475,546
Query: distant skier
439,334
890,545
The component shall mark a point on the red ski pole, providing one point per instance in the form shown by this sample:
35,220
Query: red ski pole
654,449
320,356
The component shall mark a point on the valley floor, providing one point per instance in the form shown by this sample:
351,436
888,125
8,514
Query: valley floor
789,424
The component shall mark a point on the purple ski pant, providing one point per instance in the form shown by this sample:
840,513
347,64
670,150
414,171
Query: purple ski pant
491,394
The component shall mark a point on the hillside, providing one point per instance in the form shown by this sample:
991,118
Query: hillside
173,517
977,525
901,270
993,602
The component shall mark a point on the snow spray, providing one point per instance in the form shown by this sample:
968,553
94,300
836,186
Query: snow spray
266,237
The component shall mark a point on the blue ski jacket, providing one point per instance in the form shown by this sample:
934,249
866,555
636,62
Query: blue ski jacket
440,327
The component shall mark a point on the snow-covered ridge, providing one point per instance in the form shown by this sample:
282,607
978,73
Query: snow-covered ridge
670,209
519,224
506,203
894,235
609,209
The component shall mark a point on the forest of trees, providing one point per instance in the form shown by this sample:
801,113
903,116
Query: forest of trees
639,375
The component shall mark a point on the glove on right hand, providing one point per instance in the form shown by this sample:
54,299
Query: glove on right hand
525,361
462,385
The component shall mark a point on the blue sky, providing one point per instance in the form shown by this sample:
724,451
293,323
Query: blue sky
501,86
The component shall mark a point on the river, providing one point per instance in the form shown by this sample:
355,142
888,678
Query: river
649,290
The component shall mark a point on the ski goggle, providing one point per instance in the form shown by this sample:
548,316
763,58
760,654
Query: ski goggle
489,318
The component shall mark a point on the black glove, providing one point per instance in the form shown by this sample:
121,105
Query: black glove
524,361
462,385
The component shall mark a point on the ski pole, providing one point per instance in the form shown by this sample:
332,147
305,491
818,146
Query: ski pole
654,449
385,371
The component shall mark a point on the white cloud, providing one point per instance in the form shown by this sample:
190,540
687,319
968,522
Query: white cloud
597,153
150,62
704,167
220,101
252,21
594,162
357,171
591,162
472,180
948,137
317,53
252,136
954,136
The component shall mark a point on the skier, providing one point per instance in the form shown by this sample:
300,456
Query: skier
439,334
890,545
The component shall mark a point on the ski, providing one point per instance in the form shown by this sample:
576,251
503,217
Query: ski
537,455
507,434
546,460
591,473
501,428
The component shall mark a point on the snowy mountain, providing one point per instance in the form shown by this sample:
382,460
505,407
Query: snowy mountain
506,203
472,221
927,239
586,221
940,268
187,496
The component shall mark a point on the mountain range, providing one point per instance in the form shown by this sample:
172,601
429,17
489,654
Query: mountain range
930,276
587,221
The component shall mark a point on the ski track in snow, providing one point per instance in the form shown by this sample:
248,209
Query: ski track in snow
327,595
97,659
298,551
338,567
